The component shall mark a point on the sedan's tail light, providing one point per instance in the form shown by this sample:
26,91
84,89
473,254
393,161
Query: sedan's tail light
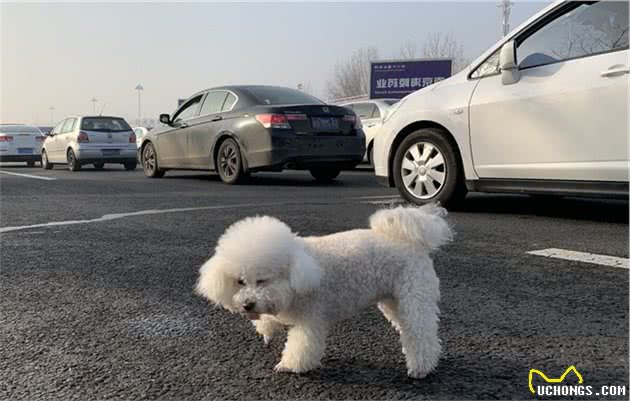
354,120
40,138
132,138
83,137
273,121
6,138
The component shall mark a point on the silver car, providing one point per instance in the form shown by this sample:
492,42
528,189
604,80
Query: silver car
81,140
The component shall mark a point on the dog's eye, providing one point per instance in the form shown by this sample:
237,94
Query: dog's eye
261,282
240,281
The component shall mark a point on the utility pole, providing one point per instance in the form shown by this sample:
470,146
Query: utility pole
139,88
505,6
93,100
52,121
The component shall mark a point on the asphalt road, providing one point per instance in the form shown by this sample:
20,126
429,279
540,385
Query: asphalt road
102,307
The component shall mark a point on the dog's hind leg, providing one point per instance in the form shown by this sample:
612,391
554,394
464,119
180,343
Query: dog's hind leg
418,295
389,309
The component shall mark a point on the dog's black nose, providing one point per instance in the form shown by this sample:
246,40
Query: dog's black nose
249,306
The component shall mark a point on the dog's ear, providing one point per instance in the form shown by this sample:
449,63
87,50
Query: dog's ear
214,284
305,274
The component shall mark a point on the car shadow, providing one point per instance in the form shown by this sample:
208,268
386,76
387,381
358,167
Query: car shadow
268,179
594,209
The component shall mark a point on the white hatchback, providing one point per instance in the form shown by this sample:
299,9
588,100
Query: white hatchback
80,140
20,143
544,111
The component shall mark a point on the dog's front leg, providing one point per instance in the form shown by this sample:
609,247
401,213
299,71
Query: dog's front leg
304,348
267,327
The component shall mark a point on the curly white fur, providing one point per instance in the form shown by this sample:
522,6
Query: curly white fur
263,270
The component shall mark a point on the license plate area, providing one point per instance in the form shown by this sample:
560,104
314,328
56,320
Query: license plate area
320,146
25,151
325,123
111,152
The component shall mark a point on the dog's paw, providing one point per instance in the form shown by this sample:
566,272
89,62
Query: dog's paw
267,340
417,374
281,368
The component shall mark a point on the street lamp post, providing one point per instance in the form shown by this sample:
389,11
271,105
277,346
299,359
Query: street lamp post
52,109
93,100
139,88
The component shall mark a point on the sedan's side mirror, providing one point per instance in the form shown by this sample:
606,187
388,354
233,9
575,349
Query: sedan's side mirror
507,63
165,119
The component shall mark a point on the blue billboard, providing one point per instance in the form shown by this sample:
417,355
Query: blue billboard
397,79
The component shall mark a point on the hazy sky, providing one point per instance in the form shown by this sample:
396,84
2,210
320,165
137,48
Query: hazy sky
63,54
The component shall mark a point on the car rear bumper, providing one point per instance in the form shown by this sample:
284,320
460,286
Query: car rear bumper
20,158
97,156
308,152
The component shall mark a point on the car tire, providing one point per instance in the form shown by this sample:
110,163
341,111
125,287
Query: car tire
326,174
46,165
150,162
30,164
431,171
73,163
130,166
371,157
99,166
230,163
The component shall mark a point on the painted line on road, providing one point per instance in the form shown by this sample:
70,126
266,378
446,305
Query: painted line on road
377,197
37,177
115,216
585,257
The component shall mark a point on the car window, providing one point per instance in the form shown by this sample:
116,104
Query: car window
364,110
189,110
488,67
213,102
272,95
68,126
105,124
230,102
376,113
587,29
57,129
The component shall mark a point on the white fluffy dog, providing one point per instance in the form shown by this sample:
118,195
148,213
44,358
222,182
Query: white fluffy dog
266,272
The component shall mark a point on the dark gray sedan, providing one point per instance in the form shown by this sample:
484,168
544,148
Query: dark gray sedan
237,130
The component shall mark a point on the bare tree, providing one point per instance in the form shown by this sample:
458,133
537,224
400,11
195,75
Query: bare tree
352,76
438,45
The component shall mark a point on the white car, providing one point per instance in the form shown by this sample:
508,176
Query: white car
544,111
80,140
371,112
20,143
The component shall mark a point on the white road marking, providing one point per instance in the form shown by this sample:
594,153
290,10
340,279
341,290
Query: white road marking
116,216
604,260
377,197
37,177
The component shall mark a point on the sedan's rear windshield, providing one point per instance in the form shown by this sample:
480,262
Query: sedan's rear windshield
269,95
19,129
105,124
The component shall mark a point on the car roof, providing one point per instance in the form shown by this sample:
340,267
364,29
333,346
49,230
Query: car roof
236,88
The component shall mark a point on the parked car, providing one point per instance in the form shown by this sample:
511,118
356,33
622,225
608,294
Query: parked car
236,130
543,111
81,140
20,143
371,113
140,133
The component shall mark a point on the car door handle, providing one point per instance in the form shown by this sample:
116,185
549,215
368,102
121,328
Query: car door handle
615,70
370,125
216,118
183,125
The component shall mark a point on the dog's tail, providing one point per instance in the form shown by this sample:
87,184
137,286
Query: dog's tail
423,227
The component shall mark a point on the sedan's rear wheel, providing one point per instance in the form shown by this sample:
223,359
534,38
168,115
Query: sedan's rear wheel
150,162
73,163
230,163
46,165
426,169
30,163
325,174
130,166
99,166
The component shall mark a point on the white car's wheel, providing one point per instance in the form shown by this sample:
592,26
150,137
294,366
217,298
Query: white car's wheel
426,168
